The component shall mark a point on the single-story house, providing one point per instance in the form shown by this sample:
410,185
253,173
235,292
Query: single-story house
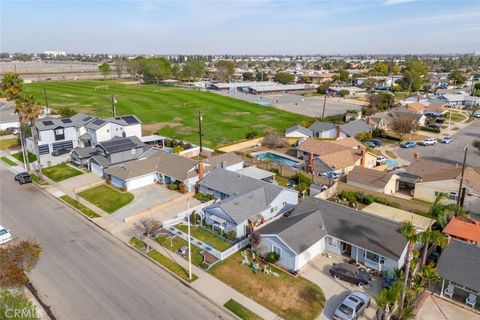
463,229
352,128
373,180
316,226
325,130
429,178
336,91
298,131
245,202
458,266
419,118
460,100
420,222
416,107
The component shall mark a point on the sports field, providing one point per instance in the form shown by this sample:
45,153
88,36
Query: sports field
171,111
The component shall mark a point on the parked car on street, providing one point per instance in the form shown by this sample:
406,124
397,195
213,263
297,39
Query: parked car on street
476,114
434,126
59,152
352,306
330,175
408,144
432,114
350,273
446,140
5,235
370,144
23,177
428,142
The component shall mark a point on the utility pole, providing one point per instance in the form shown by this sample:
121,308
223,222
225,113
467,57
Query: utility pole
114,102
459,195
324,103
189,242
45,94
200,129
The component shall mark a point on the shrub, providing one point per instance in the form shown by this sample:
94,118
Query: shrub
172,186
182,188
363,136
251,135
231,235
178,149
378,133
344,92
430,129
368,199
350,196
203,197
194,217
272,257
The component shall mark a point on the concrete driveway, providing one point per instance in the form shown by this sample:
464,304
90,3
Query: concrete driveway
452,152
336,290
435,308
146,198
80,182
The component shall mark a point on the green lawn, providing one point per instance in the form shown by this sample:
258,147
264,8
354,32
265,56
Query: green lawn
37,180
19,157
241,312
289,297
176,243
8,161
77,205
8,143
107,198
137,243
61,172
174,111
203,235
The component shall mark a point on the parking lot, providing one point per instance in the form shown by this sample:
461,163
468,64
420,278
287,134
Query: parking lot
452,152
336,290
309,106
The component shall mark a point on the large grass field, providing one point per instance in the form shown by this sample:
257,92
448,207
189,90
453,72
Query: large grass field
172,111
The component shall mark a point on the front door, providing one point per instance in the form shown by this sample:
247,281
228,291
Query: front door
346,249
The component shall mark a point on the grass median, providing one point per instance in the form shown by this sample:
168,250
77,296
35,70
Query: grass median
240,311
8,161
77,205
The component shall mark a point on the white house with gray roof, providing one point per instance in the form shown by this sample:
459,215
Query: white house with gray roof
316,226
245,203
82,130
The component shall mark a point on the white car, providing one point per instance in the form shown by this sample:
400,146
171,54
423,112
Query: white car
381,160
352,306
428,142
5,235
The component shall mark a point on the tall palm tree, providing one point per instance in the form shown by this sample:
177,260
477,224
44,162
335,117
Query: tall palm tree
33,112
429,237
23,120
11,85
388,298
408,230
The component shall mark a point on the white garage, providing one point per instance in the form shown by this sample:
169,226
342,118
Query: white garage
96,168
139,182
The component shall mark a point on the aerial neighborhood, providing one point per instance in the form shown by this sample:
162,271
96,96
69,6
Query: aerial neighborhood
240,186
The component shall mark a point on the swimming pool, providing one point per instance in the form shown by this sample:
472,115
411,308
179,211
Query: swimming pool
392,164
274,157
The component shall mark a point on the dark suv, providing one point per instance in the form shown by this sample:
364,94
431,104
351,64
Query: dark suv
351,273
23,177
59,152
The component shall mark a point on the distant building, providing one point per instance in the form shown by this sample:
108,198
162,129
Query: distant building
55,53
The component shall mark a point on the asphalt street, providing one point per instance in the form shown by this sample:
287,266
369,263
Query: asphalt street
452,152
85,273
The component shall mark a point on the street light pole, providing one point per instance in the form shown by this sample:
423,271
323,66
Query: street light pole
324,103
200,129
459,195
114,101
189,241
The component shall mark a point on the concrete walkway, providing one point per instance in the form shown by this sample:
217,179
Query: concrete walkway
435,308
207,285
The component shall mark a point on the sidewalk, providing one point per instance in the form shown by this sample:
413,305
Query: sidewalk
207,285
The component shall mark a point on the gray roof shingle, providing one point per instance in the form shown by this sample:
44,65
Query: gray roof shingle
300,129
355,127
460,263
321,126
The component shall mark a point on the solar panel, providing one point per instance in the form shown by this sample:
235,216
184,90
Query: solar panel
119,145
98,122
130,119
47,123
87,118
66,121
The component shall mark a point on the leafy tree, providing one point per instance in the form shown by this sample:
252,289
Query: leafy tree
134,66
148,227
247,76
414,75
66,112
194,69
476,144
12,86
119,68
387,299
323,87
344,75
344,92
379,69
261,76
284,77
403,125
409,232
104,69
457,77
156,69
368,84
20,111
13,300
363,136
225,70
16,260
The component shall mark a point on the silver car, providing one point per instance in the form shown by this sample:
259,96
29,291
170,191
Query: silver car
352,306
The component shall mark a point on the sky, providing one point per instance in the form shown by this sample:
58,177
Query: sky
240,27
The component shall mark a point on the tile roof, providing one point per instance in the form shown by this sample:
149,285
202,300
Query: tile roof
331,153
415,106
361,229
459,263
371,177
465,230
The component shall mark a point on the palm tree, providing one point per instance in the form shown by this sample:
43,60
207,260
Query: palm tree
11,85
388,298
23,120
33,112
433,237
408,230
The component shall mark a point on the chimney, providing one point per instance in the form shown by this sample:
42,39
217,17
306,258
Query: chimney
309,167
223,165
416,156
338,132
200,170
362,160
367,120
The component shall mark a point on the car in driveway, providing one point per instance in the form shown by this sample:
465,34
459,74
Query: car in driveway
370,144
352,306
408,144
5,235
428,142
381,160
446,140
60,152
331,175
23,177
476,114
376,142
350,273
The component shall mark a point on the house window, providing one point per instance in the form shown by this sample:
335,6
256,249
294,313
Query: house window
134,151
59,134
452,196
108,130
374,257
277,250
331,242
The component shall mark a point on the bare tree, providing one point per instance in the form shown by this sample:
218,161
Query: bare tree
148,227
403,125
119,68
274,140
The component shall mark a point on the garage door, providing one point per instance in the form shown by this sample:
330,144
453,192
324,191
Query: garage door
62,145
96,169
141,182
43,149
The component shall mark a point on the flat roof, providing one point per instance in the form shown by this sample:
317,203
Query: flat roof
256,173
398,215
151,138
